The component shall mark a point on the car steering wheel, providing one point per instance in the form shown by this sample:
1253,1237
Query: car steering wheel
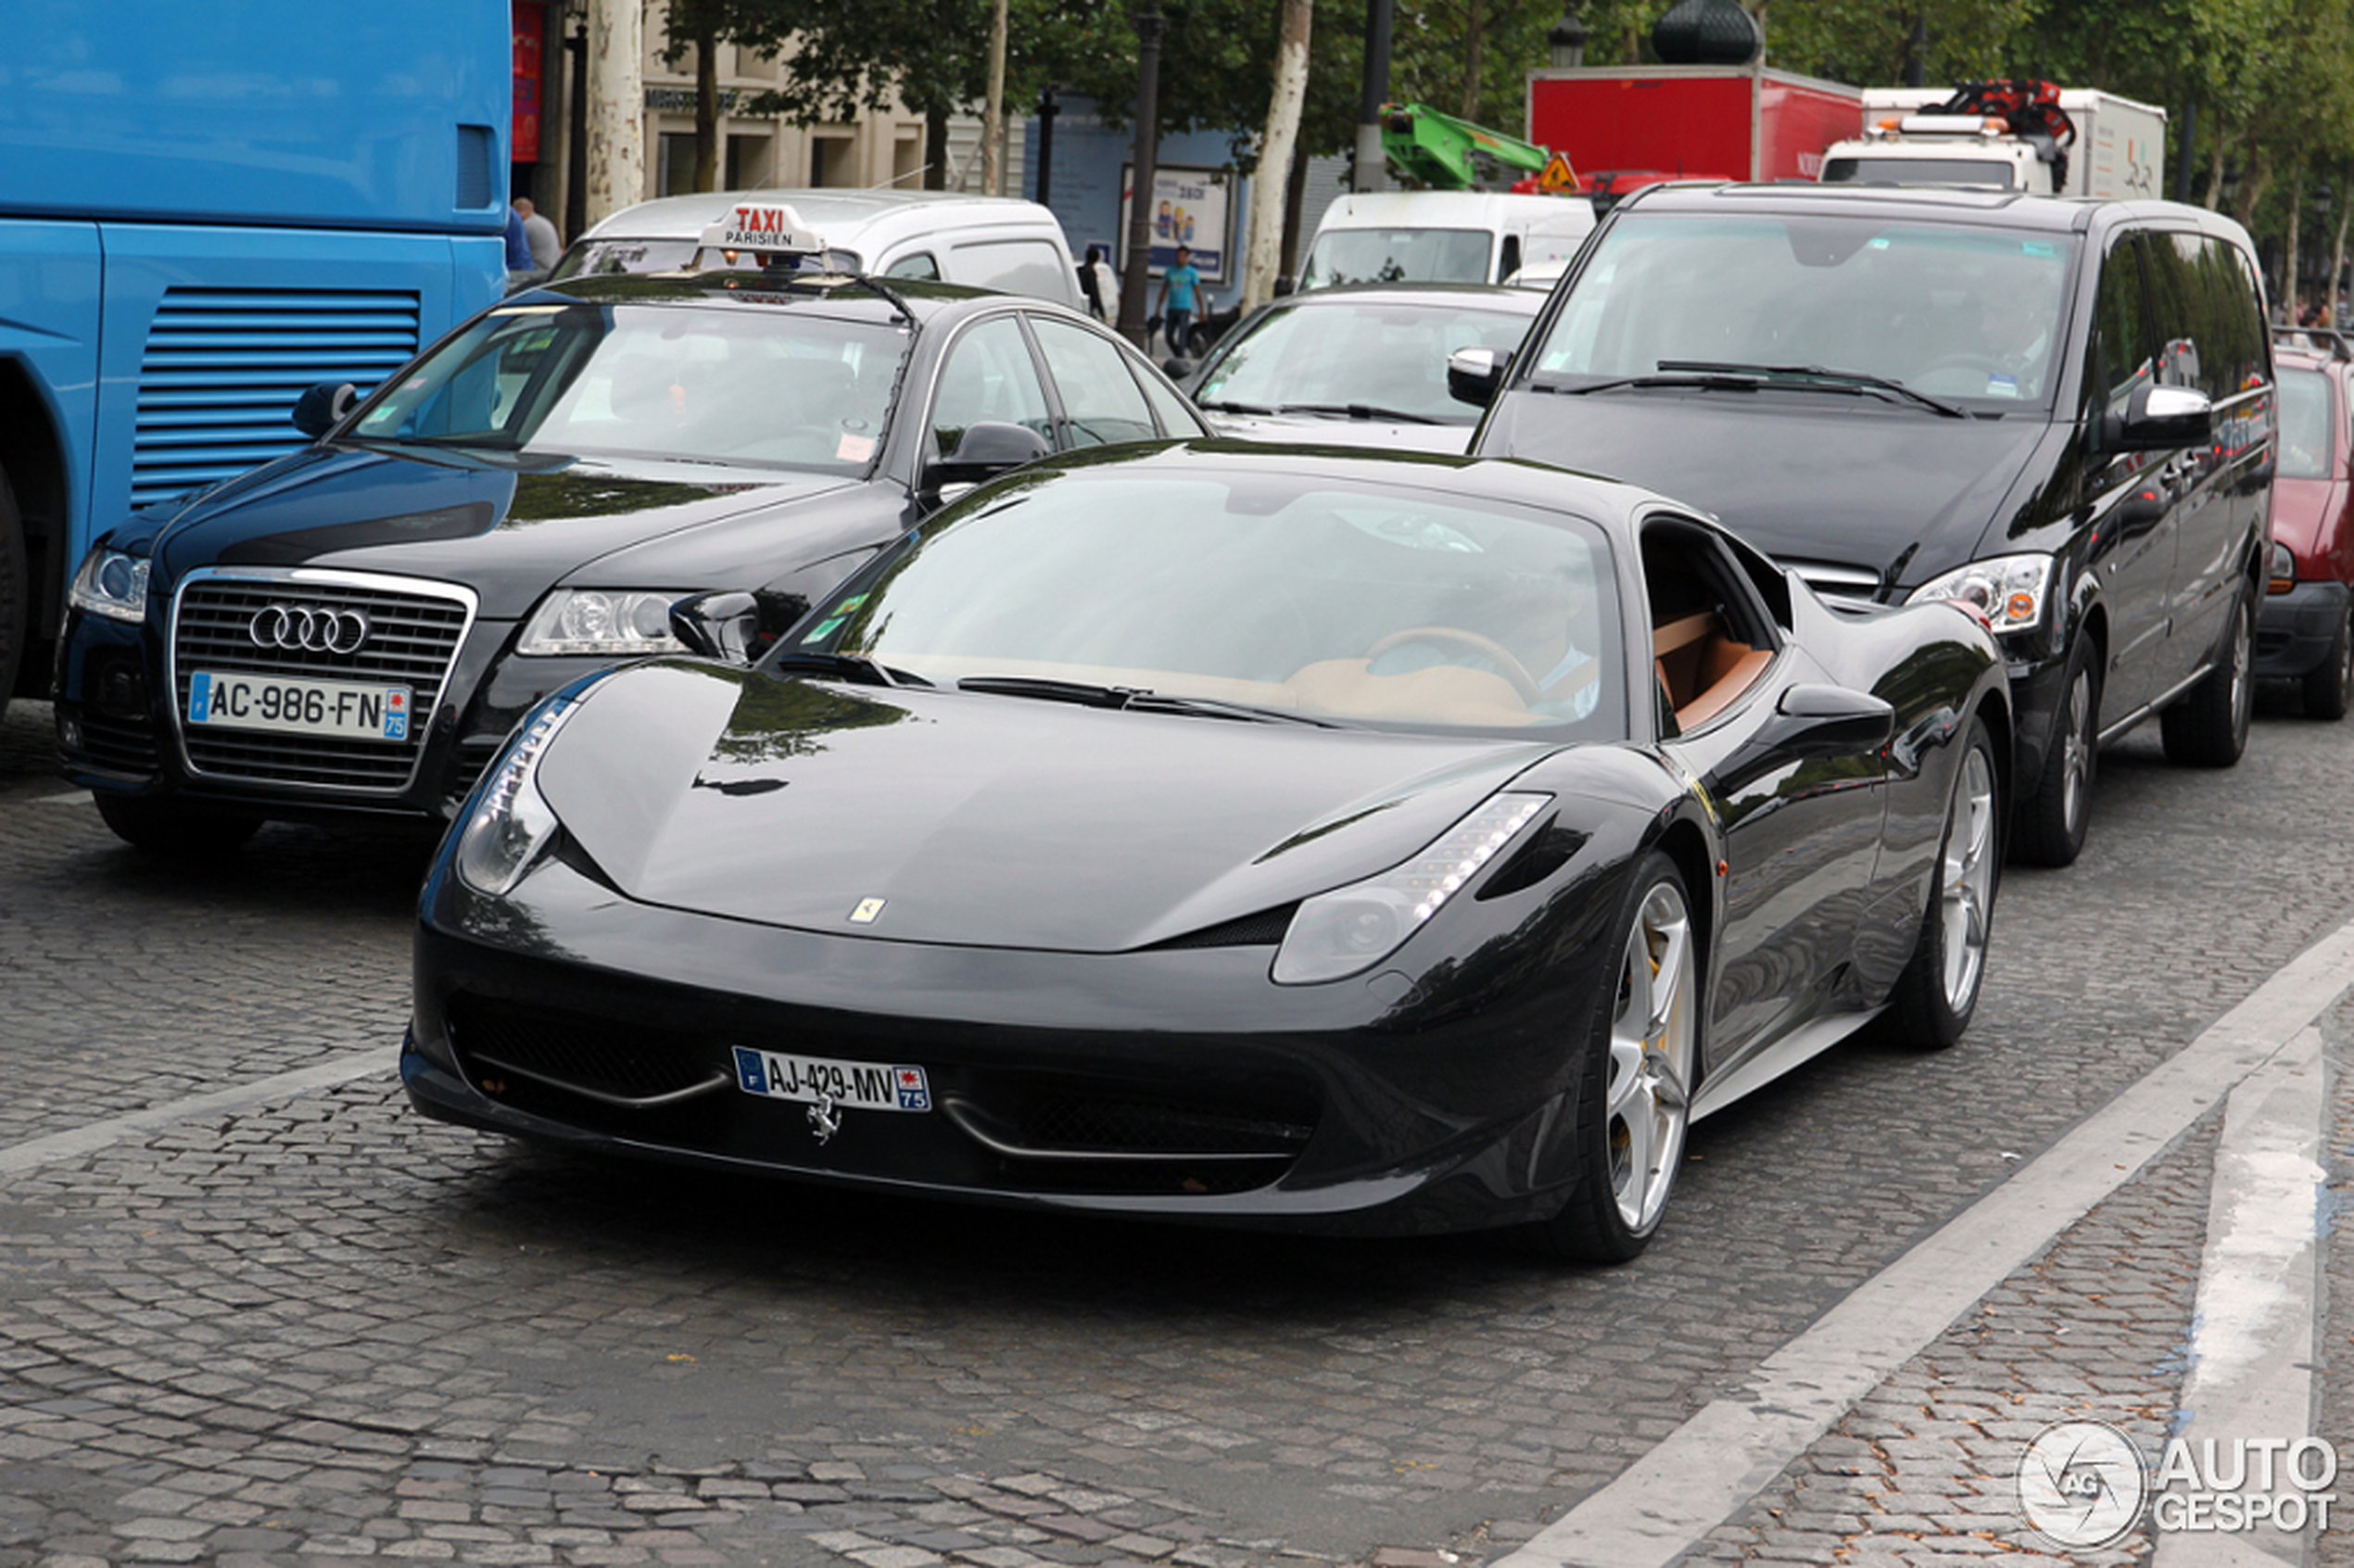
1487,648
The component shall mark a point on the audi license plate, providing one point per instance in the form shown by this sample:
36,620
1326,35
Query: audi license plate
290,706
863,1085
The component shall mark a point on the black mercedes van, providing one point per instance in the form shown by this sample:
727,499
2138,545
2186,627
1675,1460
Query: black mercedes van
2061,412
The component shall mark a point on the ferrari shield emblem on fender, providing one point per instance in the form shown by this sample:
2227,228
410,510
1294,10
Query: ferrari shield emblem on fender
866,912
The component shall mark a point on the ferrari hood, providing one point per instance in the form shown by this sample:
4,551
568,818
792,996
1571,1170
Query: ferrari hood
981,819
509,532
1803,476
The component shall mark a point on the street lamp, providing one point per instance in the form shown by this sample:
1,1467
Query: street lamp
1567,42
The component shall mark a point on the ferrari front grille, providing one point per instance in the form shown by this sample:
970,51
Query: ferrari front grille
615,1064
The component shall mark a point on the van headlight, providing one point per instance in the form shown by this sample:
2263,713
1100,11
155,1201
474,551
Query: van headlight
2010,593
1349,929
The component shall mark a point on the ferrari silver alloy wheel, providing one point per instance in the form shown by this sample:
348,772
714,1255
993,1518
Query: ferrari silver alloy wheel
1651,1047
2076,750
1966,881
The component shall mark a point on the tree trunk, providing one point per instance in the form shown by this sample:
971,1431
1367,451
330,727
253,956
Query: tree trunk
2215,167
2252,188
992,108
616,107
1474,37
2337,248
706,107
1275,149
2290,278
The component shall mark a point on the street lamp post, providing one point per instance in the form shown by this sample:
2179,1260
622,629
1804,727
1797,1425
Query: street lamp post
1135,275
1565,41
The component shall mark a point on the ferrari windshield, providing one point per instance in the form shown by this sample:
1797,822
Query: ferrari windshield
1258,591
1330,354
1970,314
727,382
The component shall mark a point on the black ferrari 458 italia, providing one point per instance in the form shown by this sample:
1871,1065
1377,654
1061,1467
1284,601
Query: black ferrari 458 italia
1249,834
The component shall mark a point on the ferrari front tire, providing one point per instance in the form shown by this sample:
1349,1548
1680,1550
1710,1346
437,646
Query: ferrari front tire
1634,1101
1938,992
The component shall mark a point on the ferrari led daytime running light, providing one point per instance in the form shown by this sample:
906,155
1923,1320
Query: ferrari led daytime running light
514,821
1349,929
2008,593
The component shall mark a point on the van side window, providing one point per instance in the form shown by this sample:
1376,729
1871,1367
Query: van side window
2187,313
2238,351
1100,400
920,267
1015,266
2120,330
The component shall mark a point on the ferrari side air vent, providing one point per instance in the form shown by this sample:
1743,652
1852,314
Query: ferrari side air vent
1265,928
1548,851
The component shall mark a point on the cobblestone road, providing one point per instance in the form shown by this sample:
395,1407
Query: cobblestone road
319,1327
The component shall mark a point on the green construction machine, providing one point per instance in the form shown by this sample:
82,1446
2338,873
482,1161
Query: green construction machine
1448,154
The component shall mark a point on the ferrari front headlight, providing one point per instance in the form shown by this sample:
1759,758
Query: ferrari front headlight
2010,593
112,583
513,821
1349,929
606,623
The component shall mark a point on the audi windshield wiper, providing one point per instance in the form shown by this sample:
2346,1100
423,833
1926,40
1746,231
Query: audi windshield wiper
1829,379
1133,699
1224,407
856,666
1358,411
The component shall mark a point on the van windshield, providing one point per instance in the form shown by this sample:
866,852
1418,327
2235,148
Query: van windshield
1970,314
1347,256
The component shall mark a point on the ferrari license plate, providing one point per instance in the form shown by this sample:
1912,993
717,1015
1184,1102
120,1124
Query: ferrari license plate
294,705
776,1075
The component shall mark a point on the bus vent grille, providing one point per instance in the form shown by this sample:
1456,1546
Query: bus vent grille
224,367
476,144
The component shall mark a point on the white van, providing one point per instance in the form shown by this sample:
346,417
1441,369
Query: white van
1442,236
988,242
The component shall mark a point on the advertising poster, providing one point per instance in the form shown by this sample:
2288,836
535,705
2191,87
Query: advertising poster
1190,207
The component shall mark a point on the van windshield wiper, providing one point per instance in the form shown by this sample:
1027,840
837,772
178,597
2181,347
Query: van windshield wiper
1133,699
1829,379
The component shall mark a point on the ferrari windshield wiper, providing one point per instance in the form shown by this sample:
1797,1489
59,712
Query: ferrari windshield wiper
1212,707
1133,699
1358,410
1829,380
856,666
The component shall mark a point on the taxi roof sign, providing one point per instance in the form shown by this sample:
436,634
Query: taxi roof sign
766,226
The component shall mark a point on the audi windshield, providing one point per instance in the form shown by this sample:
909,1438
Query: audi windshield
713,384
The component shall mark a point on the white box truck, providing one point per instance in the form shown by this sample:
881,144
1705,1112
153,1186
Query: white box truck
2019,136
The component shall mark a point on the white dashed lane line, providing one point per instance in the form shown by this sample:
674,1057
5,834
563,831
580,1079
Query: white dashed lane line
329,1074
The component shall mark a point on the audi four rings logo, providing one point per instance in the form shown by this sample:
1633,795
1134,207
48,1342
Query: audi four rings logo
309,628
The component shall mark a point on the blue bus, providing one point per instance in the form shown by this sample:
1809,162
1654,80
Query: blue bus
205,210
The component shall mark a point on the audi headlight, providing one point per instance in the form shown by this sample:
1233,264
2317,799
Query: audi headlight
1349,929
2010,593
112,583
608,622
513,822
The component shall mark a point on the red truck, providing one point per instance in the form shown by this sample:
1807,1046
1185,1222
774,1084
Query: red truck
1621,127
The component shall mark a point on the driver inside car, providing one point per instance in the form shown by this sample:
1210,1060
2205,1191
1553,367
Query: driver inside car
1539,632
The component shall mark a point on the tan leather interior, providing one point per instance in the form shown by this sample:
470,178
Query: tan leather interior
1703,669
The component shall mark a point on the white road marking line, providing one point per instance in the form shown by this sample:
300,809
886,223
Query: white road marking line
69,797
1699,1474
2252,1348
329,1074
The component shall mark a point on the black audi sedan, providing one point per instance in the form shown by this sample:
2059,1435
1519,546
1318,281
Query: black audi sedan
1265,835
349,632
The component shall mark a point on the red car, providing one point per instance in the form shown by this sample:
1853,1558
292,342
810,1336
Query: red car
2307,630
